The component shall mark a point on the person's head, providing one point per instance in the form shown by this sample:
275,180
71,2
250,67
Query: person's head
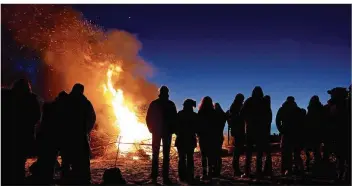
164,92
314,100
290,99
21,86
61,95
188,104
257,92
206,103
77,89
267,99
338,94
239,98
218,107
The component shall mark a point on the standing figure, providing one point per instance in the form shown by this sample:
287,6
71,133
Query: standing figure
48,138
339,113
255,114
286,119
220,125
314,124
268,167
77,128
299,141
237,126
207,139
161,116
186,141
20,111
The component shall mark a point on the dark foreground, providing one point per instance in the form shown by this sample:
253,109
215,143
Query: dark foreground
137,172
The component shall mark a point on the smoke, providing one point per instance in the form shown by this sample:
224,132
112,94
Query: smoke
82,52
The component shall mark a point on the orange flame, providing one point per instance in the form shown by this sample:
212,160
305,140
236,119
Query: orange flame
132,131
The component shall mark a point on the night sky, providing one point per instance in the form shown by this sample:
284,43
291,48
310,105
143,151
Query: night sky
222,50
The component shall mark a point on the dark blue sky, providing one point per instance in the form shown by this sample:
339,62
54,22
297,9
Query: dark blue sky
221,50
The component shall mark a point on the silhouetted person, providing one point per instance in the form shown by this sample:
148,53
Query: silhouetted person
161,117
237,126
81,121
186,141
20,111
314,128
348,159
207,138
286,119
48,139
268,119
255,113
340,129
298,142
219,132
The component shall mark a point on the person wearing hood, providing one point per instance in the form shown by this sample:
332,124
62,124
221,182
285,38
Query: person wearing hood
186,141
77,128
236,125
255,112
161,118
340,130
20,112
286,119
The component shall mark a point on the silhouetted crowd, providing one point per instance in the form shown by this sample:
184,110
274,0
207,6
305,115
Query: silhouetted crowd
321,129
64,128
65,124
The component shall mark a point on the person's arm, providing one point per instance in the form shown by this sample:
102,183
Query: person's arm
278,120
92,117
36,110
150,117
174,118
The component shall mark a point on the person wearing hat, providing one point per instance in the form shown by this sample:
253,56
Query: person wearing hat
340,133
186,141
161,117
287,117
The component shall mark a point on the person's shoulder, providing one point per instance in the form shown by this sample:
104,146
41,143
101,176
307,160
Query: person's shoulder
248,101
34,97
48,104
171,102
156,101
5,92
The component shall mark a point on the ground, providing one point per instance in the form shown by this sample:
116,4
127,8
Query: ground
138,171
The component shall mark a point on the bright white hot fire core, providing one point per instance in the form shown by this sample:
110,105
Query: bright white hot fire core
131,130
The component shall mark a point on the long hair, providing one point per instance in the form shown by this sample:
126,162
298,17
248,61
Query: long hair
267,100
217,107
237,103
206,104
314,101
